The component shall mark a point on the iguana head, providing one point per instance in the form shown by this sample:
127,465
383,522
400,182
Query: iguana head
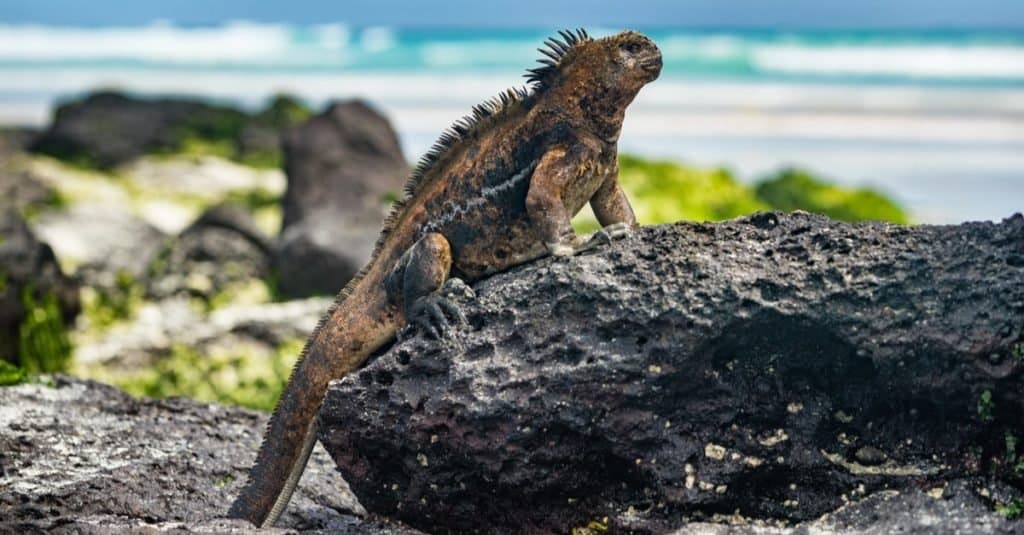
602,75
629,58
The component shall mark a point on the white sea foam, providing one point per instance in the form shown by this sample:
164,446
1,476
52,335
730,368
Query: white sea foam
896,59
378,39
932,61
483,53
332,36
335,45
234,42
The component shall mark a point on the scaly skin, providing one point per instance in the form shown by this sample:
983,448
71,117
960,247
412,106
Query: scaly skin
498,189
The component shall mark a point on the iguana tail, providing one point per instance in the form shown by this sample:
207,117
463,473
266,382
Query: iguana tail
357,325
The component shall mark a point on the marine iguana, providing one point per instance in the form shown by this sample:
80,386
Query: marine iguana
497,189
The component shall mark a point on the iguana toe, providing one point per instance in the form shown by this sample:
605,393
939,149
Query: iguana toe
434,315
456,287
452,311
604,236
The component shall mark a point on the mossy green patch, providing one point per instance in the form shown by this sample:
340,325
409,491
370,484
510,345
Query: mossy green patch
264,206
81,161
103,307
1012,510
235,377
261,159
663,191
11,374
220,132
243,292
43,343
797,189
986,406
253,199
268,219
54,201
284,111
193,145
210,130
273,282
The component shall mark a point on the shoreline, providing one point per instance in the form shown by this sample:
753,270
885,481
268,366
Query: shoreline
947,154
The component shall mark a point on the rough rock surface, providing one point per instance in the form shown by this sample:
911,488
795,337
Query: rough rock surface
82,457
222,247
343,167
773,367
26,262
24,191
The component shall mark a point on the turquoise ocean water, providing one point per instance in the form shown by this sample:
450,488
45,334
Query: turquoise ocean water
934,117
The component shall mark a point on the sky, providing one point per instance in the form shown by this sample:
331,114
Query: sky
795,14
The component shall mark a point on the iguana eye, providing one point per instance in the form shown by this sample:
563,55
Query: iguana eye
632,47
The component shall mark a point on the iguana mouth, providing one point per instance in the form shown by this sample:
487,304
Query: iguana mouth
652,65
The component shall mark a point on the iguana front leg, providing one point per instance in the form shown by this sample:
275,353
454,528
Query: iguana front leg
610,204
613,212
544,204
547,209
417,282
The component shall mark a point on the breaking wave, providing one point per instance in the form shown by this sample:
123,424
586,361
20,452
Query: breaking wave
928,57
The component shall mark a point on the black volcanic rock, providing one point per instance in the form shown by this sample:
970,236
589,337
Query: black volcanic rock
344,167
29,274
223,246
772,368
82,457
106,129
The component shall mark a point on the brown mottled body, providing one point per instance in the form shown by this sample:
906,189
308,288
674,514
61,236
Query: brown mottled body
498,189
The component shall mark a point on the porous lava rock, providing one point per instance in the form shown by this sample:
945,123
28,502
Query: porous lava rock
768,370
82,457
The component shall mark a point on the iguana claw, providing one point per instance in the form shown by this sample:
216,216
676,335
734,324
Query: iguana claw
456,287
434,314
604,236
